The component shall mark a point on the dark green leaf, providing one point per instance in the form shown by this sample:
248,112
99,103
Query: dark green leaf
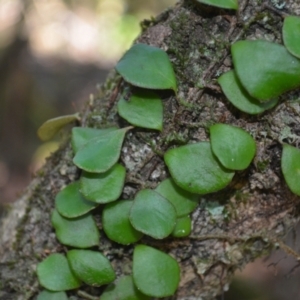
79,232
103,187
152,214
155,273
55,274
147,67
290,165
123,289
48,129
183,201
71,204
143,109
265,69
81,135
101,153
239,97
91,267
230,4
116,223
233,146
195,169
291,34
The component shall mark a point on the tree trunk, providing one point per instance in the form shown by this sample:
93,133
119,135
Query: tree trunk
258,207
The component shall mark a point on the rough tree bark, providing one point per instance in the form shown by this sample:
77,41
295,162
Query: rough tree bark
260,209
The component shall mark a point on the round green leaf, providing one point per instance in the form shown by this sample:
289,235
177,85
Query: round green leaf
152,214
71,204
290,165
123,289
103,187
147,67
91,267
265,69
116,224
143,109
183,227
48,295
291,34
230,4
79,232
195,169
155,273
183,201
101,153
81,135
239,97
233,146
48,129
55,274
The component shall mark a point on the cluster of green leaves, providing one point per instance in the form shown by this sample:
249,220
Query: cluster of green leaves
97,152
263,71
207,167
199,168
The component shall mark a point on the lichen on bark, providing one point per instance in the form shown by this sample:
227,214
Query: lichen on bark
257,208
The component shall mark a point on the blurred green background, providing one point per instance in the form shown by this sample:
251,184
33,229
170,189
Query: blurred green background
53,53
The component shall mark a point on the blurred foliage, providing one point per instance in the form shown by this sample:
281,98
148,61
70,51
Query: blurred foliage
52,55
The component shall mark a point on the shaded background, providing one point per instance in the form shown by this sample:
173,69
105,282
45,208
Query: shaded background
53,53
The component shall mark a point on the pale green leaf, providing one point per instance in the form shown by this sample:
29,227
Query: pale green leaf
48,129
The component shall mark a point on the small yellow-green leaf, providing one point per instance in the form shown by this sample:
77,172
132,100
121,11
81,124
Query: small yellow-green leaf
48,129
265,69
116,223
81,135
195,168
183,227
71,204
229,4
101,153
48,295
143,109
123,289
233,146
81,232
147,67
183,201
239,97
290,165
291,34
55,274
152,214
92,267
103,187
155,273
